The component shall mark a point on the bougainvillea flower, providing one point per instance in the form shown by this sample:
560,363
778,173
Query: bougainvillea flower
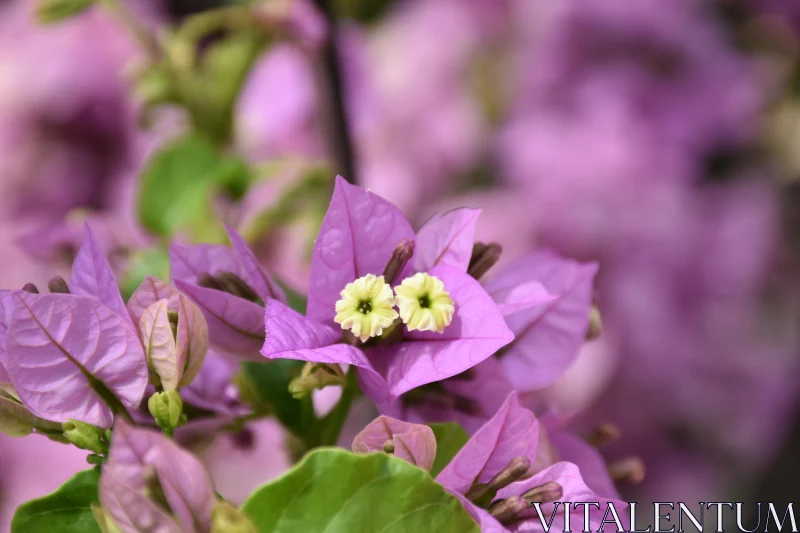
512,432
546,299
151,484
515,432
413,442
547,302
74,355
502,463
363,234
173,331
230,287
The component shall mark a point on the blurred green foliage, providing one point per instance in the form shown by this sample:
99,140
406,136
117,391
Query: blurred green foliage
178,185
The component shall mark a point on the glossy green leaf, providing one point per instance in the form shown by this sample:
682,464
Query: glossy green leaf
67,510
337,491
450,438
179,183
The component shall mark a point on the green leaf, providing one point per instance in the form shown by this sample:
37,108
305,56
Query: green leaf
48,11
265,386
337,491
143,263
67,510
450,438
179,183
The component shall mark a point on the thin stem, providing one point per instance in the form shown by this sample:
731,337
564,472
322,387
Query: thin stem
337,125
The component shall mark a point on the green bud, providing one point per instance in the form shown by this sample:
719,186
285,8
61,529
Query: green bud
226,518
56,10
316,376
85,436
94,459
167,409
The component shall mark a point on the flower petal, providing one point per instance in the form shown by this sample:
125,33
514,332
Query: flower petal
415,443
418,447
258,278
54,340
186,263
446,239
290,335
92,276
159,345
235,325
512,432
149,292
358,235
212,390
520,297
476,332
287,330
548,336
185,483
192,339
5,319
131,510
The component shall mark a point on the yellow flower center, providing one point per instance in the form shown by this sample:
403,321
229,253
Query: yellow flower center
366,307
424,304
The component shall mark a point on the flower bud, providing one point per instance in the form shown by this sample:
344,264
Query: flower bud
31,288
175,335
226,518
58,285
315,376
400,257
603,434
85,436
628,469
506,511
167,410
549,492
482,494
484,257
